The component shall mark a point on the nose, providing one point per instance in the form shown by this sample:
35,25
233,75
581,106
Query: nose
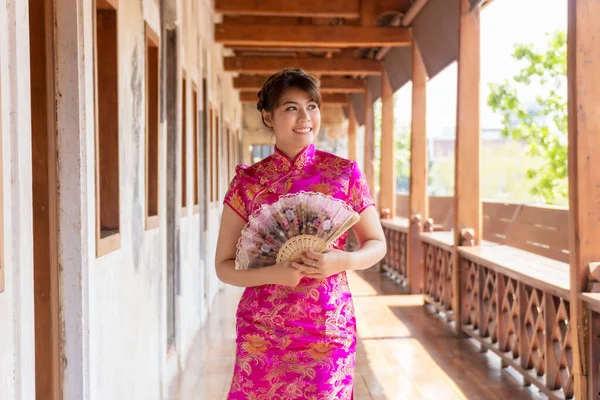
303,116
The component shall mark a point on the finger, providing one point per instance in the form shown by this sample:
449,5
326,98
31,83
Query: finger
309,262
314,255
304,269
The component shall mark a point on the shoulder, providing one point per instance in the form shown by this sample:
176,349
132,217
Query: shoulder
258,167
240,171
332,159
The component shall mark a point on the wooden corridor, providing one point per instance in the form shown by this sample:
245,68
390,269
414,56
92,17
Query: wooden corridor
403,352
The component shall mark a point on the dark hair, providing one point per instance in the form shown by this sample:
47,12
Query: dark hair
276,84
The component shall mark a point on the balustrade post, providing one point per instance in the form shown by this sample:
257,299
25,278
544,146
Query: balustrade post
551,367
467,163
583,66
414,267
500,321
466,238
594,277
522,332
428,225
481,320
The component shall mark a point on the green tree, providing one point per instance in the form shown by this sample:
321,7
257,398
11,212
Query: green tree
401,154
544,127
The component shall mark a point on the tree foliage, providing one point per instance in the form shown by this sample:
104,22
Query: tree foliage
542,125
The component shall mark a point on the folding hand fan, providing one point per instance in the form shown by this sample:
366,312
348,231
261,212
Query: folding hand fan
295,223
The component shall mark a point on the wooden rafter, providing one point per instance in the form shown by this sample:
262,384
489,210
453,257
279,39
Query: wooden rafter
349,9
247,83
325,66
310,35
306,8
328,98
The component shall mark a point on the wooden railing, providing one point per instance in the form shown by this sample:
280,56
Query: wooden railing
516,304
513,290
395,262
438,270
396,232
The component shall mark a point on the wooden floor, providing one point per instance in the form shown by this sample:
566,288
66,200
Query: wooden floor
404,352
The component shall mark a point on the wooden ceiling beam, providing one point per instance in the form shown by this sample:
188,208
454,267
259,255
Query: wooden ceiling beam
247,83
311,36
328,98
348,9
306,8
259,19
285,49
324,66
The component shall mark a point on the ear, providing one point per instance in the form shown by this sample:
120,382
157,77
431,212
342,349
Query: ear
268,118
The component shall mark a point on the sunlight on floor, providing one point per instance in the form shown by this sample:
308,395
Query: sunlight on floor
403,352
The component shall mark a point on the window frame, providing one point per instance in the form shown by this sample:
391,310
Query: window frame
152,206
112,242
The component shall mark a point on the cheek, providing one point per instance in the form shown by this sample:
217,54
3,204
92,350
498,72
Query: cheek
283,122
316,117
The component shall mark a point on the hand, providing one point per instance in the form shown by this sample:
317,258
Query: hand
285,274
323,265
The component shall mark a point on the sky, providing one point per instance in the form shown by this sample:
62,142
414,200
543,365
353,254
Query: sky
503,24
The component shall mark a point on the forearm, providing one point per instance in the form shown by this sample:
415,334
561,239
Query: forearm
369,254
227,273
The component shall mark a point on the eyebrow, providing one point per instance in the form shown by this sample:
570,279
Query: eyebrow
295,102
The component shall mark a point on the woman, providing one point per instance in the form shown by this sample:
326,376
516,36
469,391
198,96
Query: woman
296,331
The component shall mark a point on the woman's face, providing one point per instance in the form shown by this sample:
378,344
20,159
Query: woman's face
296,120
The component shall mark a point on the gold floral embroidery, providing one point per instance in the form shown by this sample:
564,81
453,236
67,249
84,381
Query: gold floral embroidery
255,344
238,204
320,350
323,187
333,166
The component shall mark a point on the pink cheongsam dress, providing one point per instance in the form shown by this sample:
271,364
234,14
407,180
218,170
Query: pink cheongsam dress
296,342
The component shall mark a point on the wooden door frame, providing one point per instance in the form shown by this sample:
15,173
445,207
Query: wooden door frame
49,362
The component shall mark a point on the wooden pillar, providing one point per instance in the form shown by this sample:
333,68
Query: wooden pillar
417,197
387,174
352,153
584,177
369,168
467,224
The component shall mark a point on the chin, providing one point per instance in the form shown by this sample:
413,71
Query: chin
305,141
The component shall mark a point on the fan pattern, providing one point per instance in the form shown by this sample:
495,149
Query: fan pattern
297,222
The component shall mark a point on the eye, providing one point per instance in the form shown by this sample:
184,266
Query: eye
312,106
291,108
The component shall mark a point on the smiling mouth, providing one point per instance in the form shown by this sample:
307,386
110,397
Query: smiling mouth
303,130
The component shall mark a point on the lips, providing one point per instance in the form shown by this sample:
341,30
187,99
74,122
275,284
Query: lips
303,130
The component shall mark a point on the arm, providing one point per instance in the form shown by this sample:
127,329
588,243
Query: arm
371,241
229,233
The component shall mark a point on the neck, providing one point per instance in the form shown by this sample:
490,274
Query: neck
290,152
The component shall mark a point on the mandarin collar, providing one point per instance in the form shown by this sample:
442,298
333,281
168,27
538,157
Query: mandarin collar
305,157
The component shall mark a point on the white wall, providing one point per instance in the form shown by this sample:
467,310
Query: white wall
113,308
127,290
17,366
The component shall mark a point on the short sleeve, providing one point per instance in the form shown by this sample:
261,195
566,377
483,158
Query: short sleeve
359,194
235,197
